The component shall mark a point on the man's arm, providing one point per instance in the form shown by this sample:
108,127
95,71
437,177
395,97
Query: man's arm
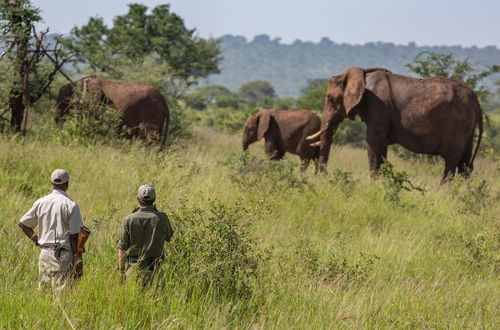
169,232
123,245
75,221
121,260
29,232
28,222
73,241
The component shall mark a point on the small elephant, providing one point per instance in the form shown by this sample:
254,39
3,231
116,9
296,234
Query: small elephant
283,131
141,106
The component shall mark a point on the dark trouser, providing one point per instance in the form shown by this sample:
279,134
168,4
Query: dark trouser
146,271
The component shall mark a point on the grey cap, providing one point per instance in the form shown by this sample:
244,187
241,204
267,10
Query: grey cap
59,176
146,192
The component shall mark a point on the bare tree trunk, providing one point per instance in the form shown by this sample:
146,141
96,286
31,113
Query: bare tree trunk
26,102
16,109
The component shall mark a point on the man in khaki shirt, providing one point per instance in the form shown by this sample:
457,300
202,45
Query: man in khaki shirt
144,233
59,220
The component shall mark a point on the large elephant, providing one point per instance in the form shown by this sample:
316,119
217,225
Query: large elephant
141,106
283,131
435,116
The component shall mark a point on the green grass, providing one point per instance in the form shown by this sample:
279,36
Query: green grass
333,252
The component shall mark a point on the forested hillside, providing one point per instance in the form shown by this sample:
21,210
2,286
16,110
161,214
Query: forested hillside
288,67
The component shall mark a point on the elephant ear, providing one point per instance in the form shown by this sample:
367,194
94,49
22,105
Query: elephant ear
354,82
264,118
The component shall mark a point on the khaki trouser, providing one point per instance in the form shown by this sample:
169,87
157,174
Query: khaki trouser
54,271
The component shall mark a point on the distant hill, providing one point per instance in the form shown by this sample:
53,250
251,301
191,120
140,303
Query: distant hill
288,67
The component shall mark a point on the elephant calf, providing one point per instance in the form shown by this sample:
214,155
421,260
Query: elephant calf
283,131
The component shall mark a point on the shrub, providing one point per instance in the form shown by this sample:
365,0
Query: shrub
91,121
212,248
223,119
335,266
475,197
482,250
344,180
180,125
350,132
251,171
395,182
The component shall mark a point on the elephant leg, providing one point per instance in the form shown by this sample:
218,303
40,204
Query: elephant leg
272,150
305,164
278,154
377,153
450,167
463,165
317,166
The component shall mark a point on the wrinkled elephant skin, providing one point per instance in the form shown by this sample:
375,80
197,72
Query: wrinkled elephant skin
435,116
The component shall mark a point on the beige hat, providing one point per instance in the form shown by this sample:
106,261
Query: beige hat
59,176
146,192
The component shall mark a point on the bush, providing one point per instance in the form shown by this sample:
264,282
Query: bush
212,248
335,266
180,125
224,120
395,182
482,250
351,132
249,171
344,180
475,197
490,145
91,121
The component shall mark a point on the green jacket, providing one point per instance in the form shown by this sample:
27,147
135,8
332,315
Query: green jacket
144,233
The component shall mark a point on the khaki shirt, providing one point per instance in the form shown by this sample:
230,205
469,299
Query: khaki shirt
57,216
144,233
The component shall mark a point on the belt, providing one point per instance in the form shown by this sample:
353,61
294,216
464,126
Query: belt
53,248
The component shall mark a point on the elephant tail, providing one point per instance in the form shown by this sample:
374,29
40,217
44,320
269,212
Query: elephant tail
480,125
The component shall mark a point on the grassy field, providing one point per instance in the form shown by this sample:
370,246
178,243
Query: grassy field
258,245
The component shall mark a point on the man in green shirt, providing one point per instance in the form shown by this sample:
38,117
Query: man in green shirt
144,233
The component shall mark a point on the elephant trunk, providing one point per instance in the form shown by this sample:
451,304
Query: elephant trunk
330,123
326,142
245,143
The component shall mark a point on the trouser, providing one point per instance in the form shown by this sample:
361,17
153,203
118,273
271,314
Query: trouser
146,276
54,271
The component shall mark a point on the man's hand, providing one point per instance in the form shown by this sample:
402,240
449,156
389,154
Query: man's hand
77,266
34,238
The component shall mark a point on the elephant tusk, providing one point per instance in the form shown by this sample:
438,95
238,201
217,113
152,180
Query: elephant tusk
317,134
316,144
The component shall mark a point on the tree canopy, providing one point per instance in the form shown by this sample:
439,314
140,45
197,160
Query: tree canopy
139,34
256,89
430,64
28,66
313,95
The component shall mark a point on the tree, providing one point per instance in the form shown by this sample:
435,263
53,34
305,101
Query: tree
217,95
27,54
138,35
428,64
313,95
257,89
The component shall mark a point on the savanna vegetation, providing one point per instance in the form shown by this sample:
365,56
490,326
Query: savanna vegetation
257,244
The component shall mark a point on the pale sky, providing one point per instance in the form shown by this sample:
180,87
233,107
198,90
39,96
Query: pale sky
426,22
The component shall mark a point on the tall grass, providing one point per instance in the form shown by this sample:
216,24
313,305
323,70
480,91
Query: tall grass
306,251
